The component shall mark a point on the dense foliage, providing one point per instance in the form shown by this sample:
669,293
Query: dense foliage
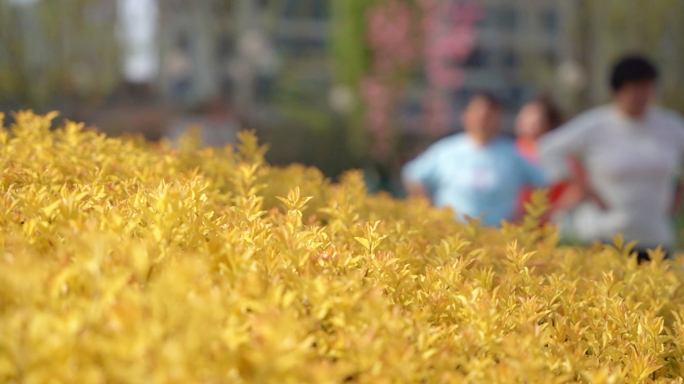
127,262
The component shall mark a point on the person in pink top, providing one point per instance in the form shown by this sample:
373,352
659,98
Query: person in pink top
535,119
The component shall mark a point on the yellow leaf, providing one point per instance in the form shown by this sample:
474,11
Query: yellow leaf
366,244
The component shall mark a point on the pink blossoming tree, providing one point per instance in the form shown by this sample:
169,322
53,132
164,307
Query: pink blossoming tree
404,41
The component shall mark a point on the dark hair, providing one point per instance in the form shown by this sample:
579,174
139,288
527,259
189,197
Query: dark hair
552,112
632,69
489,97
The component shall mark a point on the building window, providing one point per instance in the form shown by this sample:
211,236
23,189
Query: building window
479,58
227,87
314,9
226,46
508,19
182,88
321,10
489,20
292,9
549,21
551,58
263,88
514,97
462,97
510,60
183,42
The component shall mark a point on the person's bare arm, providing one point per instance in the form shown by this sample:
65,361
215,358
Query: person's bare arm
560,152
568,141
419,174
678,203
416,190
578,189
677,137
575,193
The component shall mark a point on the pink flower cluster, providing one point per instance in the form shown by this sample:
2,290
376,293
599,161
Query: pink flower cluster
449,33
390,36
402,36
449,38
378,110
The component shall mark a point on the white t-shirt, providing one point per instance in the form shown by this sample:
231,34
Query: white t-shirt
632,164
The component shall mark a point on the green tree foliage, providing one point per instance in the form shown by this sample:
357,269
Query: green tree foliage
350,58
51,48
652,27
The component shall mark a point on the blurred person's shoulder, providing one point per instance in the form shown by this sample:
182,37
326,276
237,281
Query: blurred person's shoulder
507,142
667,118
449,143
585,125
506,145
591,118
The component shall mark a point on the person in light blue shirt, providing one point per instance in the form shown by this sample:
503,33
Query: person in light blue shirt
478,173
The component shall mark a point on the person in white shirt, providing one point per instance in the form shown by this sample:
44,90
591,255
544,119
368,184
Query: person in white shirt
632,151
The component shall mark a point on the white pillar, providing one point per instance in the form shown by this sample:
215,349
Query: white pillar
137,22
243,72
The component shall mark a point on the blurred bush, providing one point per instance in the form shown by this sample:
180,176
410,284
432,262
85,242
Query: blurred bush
52,50
123,261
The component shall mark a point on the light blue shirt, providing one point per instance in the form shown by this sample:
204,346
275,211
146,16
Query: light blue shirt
477,181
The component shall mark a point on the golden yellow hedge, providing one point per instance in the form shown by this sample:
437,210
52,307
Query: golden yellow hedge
127,262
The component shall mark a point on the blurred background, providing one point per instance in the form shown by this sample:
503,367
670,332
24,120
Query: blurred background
337,84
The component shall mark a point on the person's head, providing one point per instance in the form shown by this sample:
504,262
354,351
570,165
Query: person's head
633,82
537,117
482,117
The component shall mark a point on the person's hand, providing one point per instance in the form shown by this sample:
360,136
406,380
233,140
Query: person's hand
416,190
575,192
580,188
572,195
678,203
596,199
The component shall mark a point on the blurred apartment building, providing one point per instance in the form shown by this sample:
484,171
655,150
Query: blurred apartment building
243,56
237,50
255,53
251,55
520,46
